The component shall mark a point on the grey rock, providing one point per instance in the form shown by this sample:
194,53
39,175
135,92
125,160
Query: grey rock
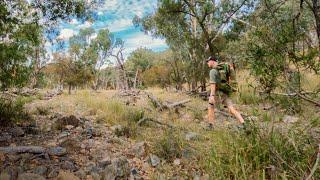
57,151
30,176
119,168
154,160
290,119
17,131
67,165
139,149
191,136
134,171
63,135
41,170
104,162
62,122
5,137
177,162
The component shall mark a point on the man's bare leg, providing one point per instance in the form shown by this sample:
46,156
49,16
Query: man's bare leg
234,112
211,115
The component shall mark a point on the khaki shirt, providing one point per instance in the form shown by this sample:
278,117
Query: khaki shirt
214,76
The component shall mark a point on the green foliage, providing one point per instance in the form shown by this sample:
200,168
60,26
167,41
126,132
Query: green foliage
21,27
12,111
260,153
292,105
170,145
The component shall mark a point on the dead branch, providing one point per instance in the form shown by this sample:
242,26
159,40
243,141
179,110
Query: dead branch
315,166
180,103
155,101
309,100
23,149
301,95
155,121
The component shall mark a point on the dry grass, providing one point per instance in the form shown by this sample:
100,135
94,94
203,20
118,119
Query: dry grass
223,153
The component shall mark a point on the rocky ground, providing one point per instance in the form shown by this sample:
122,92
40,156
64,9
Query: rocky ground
73,147
67,146
76,149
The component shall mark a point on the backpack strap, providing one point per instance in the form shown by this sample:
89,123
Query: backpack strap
226,68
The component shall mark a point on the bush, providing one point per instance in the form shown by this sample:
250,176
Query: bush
170,146
42,110
11,111
262,154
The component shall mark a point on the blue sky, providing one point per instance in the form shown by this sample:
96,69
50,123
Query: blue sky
117,15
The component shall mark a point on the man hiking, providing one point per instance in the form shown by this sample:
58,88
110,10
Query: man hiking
220,89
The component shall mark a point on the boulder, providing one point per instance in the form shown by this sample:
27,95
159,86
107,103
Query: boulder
119,168
154,160
64,121
139,149
16,131
57,151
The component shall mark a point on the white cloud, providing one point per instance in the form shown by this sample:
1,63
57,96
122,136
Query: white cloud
85,25
93,36
65,34
140,39
143,40
119,25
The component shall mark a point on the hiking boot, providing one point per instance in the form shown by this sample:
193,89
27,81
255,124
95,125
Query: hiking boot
207,126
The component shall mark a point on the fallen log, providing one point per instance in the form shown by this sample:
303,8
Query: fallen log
309,100
23,149
301,95
155,101
178,103
315,166
153,120
53,151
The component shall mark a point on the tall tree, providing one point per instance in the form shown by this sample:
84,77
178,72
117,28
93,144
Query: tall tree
22,24
193,28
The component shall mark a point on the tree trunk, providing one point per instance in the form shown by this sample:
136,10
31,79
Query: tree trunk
315,7
69,91
135,79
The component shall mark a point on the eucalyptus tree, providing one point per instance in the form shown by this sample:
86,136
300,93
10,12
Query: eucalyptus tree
193,29
22,25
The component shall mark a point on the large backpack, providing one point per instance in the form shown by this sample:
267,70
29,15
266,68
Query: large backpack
228,78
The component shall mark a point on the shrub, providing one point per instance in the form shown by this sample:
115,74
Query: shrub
42,110
11,111
262,154
170,146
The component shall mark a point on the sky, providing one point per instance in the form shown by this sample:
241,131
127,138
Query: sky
117,15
